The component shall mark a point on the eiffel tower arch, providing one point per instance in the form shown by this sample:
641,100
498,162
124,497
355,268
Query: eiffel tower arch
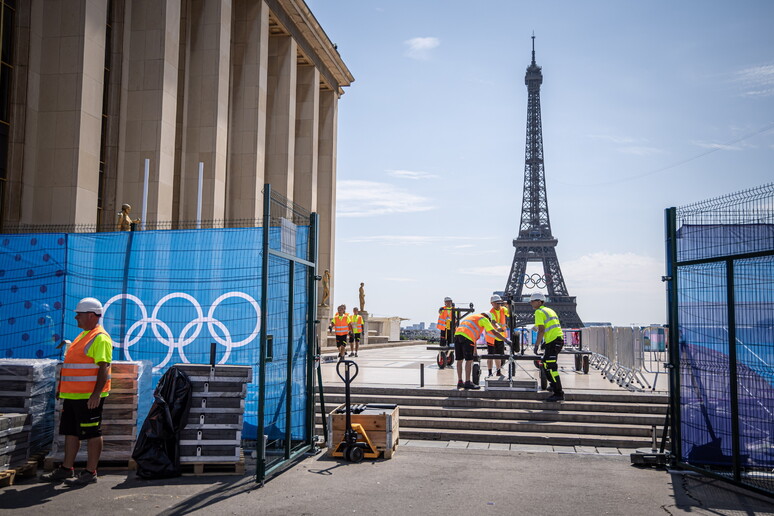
535,242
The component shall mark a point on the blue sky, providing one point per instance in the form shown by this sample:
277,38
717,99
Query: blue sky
645,105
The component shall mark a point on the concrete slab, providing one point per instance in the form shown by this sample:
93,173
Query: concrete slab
564,449
499,446
320,485
585,449
458,444
478,446
428,444
532,447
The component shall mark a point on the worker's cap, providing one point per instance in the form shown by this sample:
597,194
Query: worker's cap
495,299
89,304
537,296
447,299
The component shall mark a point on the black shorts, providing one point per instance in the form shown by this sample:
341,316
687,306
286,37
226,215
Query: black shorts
354,337
78,420
498,348
446,338
463,348
341,340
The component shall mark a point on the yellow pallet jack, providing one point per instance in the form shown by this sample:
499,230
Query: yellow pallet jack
355,445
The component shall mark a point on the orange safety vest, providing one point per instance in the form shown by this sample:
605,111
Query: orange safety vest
79,372
500,318
357,324
444,319
341,324
470,328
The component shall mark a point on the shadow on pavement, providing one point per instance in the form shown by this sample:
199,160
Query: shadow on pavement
693,490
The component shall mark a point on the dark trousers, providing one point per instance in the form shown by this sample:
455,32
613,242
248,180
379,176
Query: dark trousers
550,356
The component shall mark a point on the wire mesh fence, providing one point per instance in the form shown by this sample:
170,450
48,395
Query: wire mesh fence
173,294
722,318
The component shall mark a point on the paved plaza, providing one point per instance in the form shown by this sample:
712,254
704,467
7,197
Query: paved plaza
424,477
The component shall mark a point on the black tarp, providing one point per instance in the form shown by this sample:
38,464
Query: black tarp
157,451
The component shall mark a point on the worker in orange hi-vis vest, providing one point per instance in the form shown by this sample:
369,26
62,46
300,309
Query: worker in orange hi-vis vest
495,346
83,386
444,321
341,326
468,332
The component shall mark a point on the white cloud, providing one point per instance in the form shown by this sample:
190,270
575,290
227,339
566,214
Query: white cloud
611,287
371,198
406,240
758,81
640,150
411,174
723,146
419,48
500,271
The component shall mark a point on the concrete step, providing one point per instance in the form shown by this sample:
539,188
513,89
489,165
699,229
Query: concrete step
538,426
532,414
624,397
549,439
532,403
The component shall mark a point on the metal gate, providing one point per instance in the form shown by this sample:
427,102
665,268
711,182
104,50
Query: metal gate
720,266
286,368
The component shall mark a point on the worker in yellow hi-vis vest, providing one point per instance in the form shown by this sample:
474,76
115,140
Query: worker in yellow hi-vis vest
83,386
356,322
550,334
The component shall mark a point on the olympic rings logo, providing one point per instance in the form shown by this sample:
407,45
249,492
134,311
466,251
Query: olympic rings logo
190,331
536,280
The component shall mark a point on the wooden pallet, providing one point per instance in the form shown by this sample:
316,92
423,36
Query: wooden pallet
214,468
105,463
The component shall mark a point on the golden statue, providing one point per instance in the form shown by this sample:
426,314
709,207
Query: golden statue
326,284
124,220
361,291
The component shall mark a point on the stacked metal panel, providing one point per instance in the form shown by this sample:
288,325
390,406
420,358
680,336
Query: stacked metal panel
213,434
14,440
119,414
27,387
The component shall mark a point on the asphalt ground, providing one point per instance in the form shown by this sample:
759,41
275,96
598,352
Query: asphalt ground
417,480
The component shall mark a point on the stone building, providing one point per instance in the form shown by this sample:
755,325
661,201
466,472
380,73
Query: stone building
91,89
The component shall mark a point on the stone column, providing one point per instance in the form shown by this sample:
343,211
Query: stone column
326,182
148,114
64,111
205,120
281,105
247,119
307,137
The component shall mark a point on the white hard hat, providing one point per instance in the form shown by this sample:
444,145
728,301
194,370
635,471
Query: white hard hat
495,299
89,304
537,296
447,299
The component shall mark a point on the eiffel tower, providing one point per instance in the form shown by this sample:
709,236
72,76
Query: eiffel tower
535,242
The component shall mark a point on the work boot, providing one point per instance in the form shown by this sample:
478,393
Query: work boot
490,374
471,385
60,474
460,384
355,353
499,373
84,477
555,397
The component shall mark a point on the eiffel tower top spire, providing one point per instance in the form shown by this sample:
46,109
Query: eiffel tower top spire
533,48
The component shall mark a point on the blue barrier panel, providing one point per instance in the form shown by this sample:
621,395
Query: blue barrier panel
32,281
167,296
